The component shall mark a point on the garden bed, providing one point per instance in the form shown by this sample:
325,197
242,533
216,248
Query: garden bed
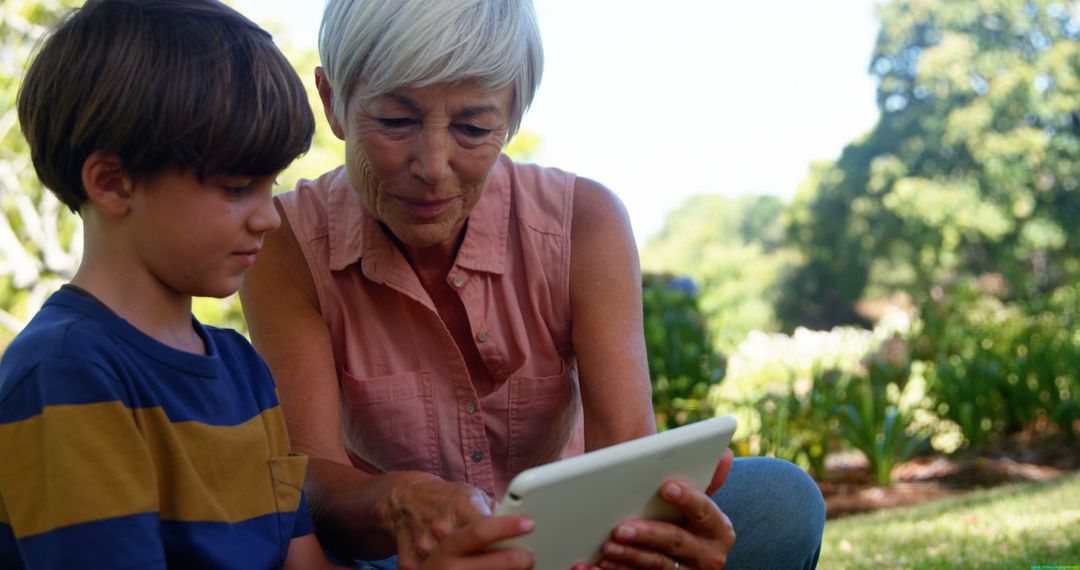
849,488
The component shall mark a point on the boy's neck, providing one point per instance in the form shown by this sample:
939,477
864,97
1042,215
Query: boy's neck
161,314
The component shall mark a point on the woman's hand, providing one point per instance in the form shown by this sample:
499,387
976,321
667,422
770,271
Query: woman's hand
702,543
466,547
423,510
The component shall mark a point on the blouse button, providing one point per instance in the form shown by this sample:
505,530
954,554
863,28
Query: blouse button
470,407
459,280
483,336
477,456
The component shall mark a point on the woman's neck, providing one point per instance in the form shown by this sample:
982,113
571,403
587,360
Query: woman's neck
431,263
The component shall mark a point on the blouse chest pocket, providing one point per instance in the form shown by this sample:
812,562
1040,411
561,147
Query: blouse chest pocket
389,421
543,414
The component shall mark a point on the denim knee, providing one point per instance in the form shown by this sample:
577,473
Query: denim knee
777,511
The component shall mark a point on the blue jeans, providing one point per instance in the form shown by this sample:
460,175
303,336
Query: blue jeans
777,511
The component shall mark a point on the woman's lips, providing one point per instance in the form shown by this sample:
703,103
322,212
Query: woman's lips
424,208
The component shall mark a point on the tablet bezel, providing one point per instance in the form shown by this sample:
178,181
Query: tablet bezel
576,502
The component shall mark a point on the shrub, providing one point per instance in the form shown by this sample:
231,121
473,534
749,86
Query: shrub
682,364
1000,365
799,397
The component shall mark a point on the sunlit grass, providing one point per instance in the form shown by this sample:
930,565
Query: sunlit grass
1017,526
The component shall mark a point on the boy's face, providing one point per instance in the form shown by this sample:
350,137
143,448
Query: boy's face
196,237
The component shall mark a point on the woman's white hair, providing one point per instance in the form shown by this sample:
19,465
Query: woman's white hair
382,45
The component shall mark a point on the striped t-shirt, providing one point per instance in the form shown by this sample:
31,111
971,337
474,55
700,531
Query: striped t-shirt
117,451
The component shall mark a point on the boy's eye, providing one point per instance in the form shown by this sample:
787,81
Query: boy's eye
235,187
236,191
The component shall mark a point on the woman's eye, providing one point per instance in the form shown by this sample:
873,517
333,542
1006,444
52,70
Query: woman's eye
395,123
473,131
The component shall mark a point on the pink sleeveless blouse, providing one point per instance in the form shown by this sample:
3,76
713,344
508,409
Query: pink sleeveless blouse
407,402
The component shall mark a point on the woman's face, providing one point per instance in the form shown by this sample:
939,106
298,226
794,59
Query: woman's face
419,157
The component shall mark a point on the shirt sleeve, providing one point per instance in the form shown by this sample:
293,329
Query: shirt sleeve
77,483
303,525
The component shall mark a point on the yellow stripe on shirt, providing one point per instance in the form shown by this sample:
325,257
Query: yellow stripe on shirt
79,463
96,461
211,470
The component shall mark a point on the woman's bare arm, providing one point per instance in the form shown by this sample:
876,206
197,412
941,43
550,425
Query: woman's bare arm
609,339
608,331
282,311
358,515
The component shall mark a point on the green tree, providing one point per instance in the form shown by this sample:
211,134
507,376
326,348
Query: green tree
732,248
40,240
973,167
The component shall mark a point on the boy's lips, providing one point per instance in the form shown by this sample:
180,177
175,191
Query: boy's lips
247,256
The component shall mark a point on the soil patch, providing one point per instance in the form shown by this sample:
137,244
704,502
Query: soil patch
849,489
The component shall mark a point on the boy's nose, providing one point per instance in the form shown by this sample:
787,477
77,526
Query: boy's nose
265,218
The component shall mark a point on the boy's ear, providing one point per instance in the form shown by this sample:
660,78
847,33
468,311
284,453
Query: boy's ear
107,184
326,94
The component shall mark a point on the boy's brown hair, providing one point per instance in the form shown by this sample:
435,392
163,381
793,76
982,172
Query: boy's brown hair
164,85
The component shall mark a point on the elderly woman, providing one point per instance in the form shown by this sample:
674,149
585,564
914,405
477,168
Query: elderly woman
439,318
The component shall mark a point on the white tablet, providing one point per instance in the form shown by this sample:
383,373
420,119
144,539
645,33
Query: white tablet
576,502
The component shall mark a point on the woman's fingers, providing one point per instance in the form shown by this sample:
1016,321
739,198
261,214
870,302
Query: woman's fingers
466,547
721,472
624,556
703,517
484,533
425,510
703,543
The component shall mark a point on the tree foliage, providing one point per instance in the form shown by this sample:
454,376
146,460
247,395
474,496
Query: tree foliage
733,249
973,167
40,240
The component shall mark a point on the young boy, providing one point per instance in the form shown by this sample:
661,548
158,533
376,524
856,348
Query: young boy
132,436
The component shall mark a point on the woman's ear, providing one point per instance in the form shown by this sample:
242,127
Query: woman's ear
326,94
107,184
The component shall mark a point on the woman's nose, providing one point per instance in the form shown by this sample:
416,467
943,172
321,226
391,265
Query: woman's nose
431,162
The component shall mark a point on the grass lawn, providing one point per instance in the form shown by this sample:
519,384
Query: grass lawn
1015,526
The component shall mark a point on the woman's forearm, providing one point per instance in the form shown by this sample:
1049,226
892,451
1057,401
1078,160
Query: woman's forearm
370,517
346,505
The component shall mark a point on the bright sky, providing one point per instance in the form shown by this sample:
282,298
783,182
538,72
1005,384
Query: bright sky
660,101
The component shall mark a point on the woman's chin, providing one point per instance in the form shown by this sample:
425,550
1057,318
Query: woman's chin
423,236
